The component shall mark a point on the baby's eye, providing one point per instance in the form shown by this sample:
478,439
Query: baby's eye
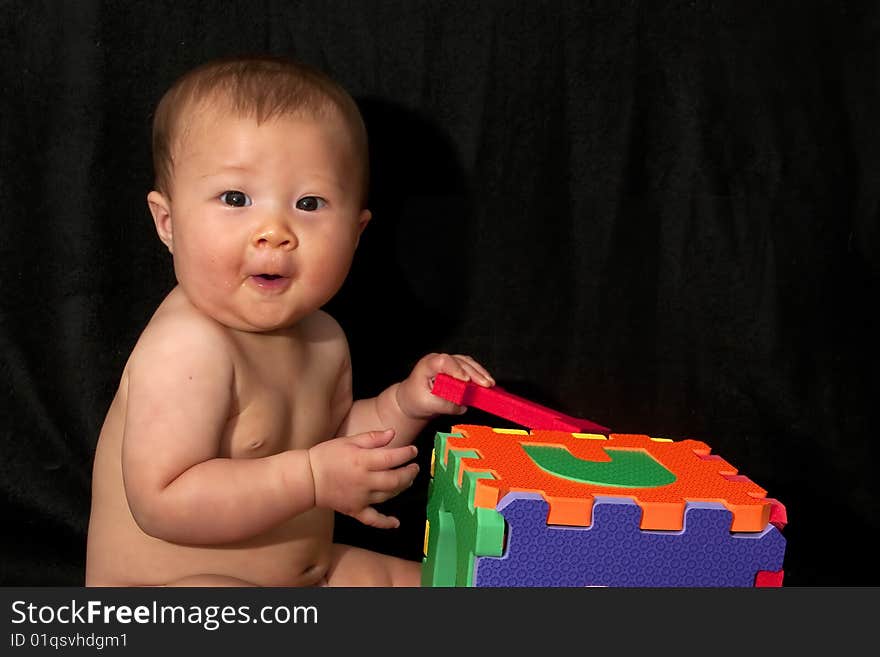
310,203
235,198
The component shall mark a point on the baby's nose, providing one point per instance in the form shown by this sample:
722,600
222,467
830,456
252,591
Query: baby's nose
276,237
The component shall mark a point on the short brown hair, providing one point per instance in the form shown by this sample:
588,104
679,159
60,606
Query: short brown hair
262,87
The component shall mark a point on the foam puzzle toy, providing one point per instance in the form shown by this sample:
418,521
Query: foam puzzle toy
510,507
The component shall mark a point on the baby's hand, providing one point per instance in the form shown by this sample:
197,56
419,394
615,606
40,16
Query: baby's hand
354,472
414,394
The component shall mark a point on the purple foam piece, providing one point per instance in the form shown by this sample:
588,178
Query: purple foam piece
613,551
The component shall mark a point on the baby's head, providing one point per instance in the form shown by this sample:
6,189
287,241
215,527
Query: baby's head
261,88
261,183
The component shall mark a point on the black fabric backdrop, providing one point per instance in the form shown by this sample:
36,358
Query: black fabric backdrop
662,216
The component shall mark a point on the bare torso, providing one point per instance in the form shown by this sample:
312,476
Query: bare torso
286,396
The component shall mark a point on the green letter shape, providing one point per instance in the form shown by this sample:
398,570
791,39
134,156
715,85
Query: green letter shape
627,468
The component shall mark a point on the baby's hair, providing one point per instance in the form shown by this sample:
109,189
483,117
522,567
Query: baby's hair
261,87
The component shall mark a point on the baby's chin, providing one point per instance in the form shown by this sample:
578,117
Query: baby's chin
275,320
257,313
266,325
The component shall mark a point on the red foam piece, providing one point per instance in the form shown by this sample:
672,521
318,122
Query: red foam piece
778,514
506,405
768,578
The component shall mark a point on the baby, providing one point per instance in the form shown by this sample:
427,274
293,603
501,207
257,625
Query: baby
233,436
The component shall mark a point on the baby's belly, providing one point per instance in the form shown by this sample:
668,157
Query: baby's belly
296,553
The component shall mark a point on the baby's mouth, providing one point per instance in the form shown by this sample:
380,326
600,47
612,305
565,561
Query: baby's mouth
270,282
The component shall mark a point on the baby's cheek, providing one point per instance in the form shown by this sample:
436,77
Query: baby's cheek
207,271
335,263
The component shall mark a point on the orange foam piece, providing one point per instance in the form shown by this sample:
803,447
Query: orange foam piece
700,477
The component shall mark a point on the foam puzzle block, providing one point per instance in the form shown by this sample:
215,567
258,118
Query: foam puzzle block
553,508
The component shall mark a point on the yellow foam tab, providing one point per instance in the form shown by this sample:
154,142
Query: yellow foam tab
433,456
590,436
515,432
662,440
427,531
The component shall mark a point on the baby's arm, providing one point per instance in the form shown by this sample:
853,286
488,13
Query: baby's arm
407,406
180,393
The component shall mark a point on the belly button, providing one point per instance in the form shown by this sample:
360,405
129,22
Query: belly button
256,444
312,571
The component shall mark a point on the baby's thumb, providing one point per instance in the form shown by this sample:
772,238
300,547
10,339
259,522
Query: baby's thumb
372,518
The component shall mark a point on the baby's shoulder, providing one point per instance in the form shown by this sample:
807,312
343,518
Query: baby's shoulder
180,334
321,329
326,340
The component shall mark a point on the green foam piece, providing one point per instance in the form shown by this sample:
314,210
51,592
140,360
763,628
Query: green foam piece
627,468
458,532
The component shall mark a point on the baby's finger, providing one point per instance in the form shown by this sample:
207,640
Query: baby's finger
372,439
379,496
449,365
372,518
389,458
476,371
394,480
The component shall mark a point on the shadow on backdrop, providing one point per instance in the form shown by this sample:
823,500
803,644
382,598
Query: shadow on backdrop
400,301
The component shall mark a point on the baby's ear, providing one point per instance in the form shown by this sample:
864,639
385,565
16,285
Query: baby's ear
363,220
160,208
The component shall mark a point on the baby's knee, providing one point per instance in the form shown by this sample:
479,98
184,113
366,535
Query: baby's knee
352,566
404,572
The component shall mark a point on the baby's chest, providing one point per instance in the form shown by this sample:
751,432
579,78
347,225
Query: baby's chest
273,418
